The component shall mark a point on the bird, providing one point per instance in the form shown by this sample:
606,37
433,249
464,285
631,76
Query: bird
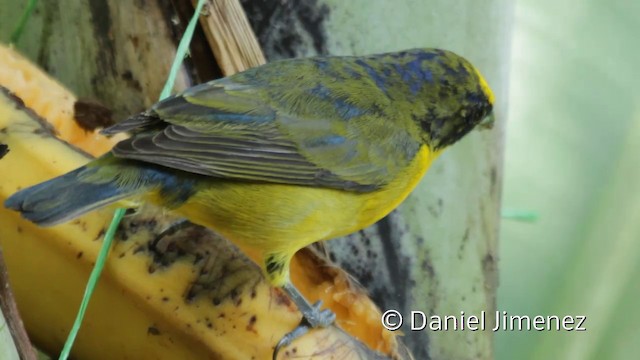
282,155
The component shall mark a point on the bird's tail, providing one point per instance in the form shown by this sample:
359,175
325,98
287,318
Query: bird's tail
71,195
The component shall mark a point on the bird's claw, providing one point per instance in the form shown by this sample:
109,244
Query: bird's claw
289,337
317,318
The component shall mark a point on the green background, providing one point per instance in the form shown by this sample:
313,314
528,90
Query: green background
573,156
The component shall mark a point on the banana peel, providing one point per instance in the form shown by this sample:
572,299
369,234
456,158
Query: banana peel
162,295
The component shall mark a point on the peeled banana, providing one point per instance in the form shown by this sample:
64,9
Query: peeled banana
163,295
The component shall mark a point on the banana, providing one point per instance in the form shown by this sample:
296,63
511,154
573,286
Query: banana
187,294
50,100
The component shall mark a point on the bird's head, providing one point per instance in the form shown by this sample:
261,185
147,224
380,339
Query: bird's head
456,99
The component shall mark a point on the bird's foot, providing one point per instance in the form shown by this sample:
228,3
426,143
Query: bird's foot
313,317
319,317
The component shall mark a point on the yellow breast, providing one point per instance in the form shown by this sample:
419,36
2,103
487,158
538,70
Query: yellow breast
284,218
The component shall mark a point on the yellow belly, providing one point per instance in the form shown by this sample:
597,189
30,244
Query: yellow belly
267,219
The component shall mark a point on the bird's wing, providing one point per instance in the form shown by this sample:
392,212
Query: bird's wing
241,131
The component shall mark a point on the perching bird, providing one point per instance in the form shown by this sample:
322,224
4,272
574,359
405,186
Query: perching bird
283,155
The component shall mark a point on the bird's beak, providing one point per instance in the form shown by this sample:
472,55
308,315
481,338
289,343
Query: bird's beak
487,122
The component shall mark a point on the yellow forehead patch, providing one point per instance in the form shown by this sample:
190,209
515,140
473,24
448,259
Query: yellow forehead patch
485,87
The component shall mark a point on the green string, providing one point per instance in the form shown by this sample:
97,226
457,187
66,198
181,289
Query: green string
520,215
93,280
119,213
17,33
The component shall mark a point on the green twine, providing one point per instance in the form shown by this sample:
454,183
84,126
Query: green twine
119,213
17,33
520,215
93,281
